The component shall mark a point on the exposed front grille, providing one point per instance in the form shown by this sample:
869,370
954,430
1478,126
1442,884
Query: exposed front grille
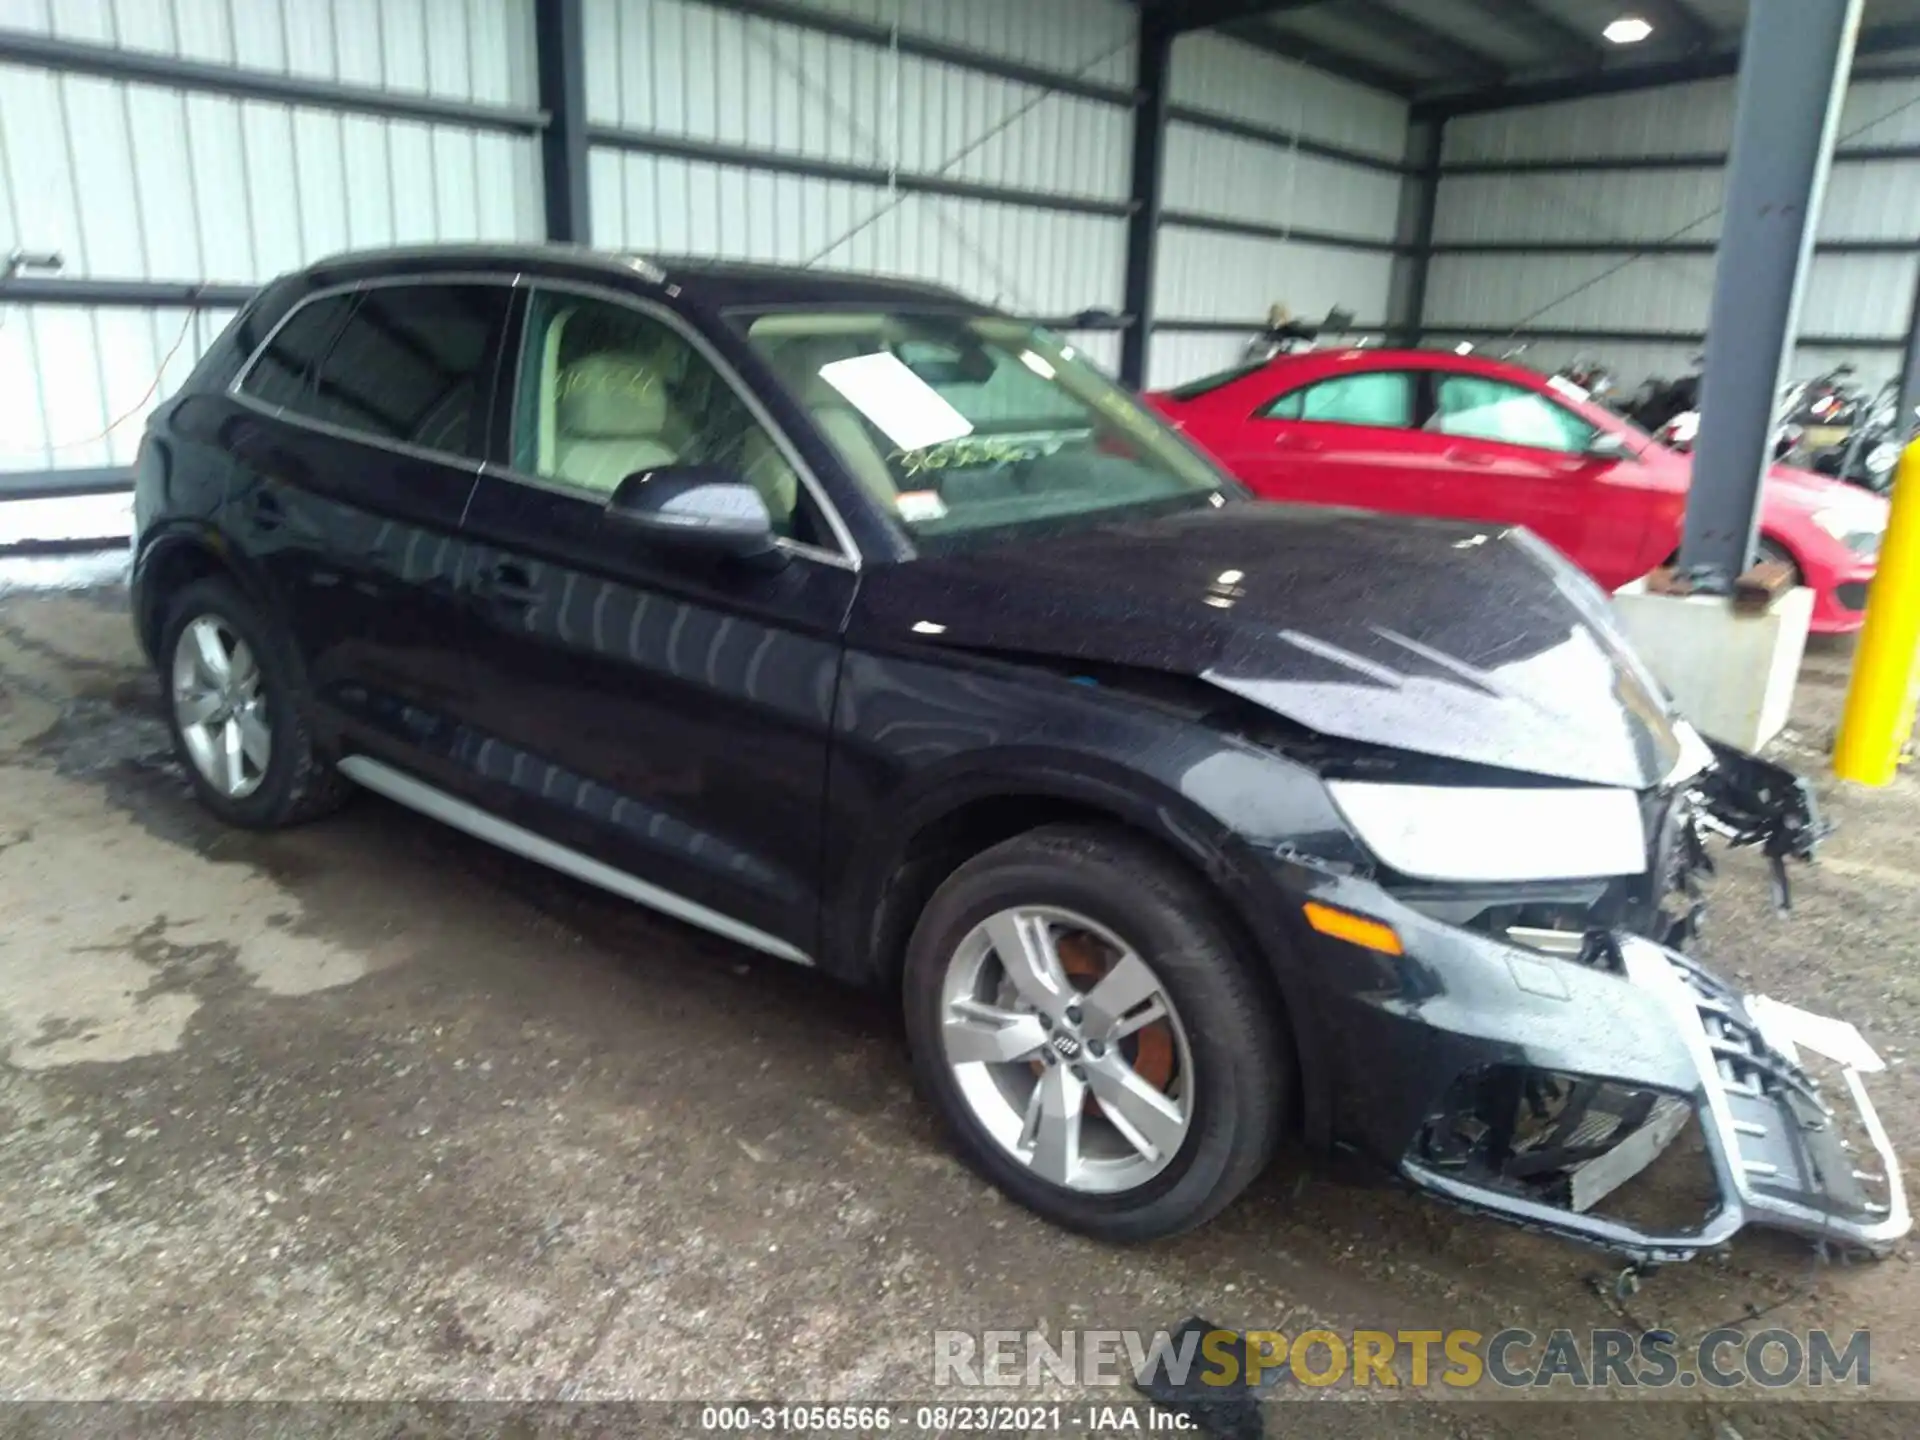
1787,1141
1852,596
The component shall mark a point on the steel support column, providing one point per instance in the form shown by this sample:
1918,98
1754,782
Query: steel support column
1793,75
1153,67
1419,198
560,62
1910,366
64,484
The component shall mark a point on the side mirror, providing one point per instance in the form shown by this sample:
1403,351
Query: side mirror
696,507
1610,445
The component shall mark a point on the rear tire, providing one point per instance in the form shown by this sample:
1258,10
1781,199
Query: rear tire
240,712
1185,1110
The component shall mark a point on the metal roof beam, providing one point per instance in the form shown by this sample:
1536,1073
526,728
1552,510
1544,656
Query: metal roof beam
1180,16
1544,28
1716,65
1346,65
925,47
1682,20
1380,18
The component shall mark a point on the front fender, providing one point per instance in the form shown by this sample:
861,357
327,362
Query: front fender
917,743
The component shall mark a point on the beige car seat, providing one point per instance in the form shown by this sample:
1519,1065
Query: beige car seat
612,418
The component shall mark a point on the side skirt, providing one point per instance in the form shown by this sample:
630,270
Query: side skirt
415,795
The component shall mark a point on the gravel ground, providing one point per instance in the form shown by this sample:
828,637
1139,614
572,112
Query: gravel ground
367,1110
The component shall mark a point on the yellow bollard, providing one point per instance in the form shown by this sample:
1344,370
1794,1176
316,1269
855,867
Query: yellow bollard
1880,697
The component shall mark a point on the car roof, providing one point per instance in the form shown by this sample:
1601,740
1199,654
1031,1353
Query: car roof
722,284
1379,358
1335,357
735,282
1305,367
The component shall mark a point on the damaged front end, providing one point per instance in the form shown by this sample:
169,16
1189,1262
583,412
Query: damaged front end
1744,1110
1772,1145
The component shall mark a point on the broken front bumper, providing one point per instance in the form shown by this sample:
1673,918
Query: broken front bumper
1776,1141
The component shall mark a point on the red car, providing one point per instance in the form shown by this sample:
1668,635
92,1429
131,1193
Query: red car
1434,433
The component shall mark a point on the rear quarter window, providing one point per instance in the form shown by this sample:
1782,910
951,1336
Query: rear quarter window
282,373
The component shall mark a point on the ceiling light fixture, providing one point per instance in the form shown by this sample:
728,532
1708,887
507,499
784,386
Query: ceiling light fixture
1628,30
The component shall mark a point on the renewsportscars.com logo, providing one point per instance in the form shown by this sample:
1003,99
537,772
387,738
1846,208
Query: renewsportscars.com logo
1511,1359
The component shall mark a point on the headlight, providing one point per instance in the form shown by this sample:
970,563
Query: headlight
1836,522
1857,527
1466,833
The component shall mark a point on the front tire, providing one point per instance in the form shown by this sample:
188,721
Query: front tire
1080,1017
1772,552
238,707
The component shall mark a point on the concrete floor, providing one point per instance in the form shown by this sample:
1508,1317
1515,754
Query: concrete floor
369,1110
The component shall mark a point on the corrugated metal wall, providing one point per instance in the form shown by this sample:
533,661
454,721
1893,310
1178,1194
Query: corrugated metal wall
145,182
703,121
682,70
1046,34
1486,295
1210,275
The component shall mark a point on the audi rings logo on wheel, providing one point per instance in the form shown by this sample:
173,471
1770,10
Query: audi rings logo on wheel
1067,1046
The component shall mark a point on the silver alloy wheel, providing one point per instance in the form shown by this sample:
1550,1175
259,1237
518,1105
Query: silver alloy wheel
1048,1069
219,708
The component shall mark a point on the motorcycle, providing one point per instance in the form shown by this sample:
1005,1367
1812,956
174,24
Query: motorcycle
1659,402
1287,334
1870,452
1828,407
1682,430
1593,379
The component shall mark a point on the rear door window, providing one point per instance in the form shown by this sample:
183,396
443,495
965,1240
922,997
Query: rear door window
1377,397
404,364
1474,407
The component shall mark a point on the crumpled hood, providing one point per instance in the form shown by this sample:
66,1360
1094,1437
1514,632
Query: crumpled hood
1464,642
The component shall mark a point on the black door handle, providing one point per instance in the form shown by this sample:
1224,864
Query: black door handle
265,509
509,584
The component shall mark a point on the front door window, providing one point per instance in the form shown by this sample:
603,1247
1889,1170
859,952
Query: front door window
607,391
1376,397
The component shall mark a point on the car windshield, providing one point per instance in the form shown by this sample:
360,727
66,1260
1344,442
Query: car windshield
961,425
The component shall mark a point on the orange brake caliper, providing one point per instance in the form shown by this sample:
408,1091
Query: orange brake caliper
1149,1049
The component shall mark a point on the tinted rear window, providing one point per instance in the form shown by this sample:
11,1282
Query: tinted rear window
282,373
412,364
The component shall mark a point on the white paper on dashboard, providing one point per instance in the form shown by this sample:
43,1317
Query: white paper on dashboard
910,411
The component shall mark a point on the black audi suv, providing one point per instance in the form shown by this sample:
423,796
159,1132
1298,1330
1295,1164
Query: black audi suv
882,632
